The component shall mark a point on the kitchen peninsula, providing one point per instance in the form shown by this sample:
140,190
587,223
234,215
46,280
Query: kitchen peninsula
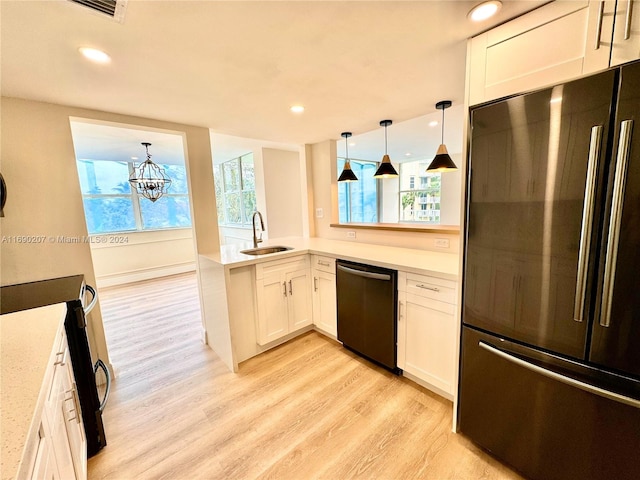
233,291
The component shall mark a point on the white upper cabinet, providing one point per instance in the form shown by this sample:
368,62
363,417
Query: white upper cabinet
558,42
626,36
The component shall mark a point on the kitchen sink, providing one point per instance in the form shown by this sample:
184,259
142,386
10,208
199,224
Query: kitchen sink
265,250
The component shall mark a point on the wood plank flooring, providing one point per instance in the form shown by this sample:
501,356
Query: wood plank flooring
307,409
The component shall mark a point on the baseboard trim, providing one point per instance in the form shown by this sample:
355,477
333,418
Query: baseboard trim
143,274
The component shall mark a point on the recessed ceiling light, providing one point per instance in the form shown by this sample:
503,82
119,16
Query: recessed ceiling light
433,123
408,154
134,158
95,55
297,109
484,10
352,144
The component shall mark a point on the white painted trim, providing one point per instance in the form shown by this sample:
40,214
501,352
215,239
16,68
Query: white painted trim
143,274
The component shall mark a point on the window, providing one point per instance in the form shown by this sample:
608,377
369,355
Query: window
417,193
111,206
235,191
358,201
419,204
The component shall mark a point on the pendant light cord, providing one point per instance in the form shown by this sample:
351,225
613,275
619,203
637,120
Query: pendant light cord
385,140
442,136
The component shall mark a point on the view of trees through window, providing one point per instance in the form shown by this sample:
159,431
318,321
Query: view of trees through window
235,191
111,206
419,194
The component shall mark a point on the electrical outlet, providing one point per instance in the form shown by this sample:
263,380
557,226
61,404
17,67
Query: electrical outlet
351,234
441,242
319,213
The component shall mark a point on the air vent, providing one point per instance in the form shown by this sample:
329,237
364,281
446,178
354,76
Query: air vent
112,8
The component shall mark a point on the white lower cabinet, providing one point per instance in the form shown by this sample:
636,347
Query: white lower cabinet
59,445
325,310
427,330
283,291
324,302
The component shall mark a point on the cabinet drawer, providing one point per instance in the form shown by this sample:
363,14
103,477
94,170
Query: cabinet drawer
324,264
278,266
429,287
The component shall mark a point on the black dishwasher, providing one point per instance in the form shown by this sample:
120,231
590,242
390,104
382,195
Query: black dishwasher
367,299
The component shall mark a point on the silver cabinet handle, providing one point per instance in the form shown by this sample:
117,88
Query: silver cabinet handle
425,287
627,21
587,222
284,284
619,180
62,361
324,264
315,284
400,308
599,25
562,378
290,288
76,404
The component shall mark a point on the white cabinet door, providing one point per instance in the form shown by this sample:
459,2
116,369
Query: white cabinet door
299,299
426,340
283,294
626,36
324,302
59,409
45,464
273,319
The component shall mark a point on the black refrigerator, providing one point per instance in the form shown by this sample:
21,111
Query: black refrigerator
550,356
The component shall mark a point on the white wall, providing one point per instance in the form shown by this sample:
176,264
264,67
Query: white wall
279,177
142,255
283,207
451,193
39,166
323,163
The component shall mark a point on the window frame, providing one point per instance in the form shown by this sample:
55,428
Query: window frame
135,198
245,222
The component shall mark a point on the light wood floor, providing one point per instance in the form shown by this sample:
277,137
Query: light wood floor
307,409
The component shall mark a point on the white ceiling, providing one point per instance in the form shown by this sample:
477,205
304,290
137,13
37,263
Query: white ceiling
237,66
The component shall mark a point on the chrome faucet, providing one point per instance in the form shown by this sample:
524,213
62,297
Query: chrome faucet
257,240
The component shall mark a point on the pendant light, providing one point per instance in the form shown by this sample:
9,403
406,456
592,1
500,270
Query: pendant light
148,179
442,161
347,174
385,170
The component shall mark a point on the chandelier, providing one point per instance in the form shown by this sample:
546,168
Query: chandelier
148,179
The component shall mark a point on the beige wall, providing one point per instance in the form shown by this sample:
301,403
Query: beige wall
142,255
38,163
283,201
324,194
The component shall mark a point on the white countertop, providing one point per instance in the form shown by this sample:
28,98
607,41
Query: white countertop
443,265
27,341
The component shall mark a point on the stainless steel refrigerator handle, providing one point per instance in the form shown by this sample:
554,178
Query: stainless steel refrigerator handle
376,276
599,25
107,374
587,222
562,378
94,299
627,21
619,180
